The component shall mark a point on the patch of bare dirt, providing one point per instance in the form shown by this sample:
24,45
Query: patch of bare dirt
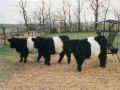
37,76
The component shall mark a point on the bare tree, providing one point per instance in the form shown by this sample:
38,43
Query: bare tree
23,5
69,16
105,8
50,16
79,11
95,5
53,20
64,10
117,17
42,14
86,22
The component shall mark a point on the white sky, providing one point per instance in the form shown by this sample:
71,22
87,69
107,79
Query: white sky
10,11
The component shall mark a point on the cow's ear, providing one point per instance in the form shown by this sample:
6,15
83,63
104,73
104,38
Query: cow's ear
9,40
34,39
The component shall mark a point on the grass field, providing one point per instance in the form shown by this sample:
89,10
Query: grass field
37,76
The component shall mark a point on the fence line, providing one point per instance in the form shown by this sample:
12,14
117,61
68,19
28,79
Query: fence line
5,34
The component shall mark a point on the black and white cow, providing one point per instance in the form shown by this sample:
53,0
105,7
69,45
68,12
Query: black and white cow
24,46
48,46
86,48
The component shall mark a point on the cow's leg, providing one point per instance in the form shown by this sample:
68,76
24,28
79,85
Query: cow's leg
102,58
38,58
79,64
21,57
69,57
47,59
25,57
79,60
61,57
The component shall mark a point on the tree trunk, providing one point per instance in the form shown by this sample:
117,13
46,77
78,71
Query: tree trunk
96,16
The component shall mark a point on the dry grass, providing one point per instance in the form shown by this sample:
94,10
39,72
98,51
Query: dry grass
37,76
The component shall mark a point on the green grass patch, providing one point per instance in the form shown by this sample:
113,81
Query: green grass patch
6,50
79,35
9,62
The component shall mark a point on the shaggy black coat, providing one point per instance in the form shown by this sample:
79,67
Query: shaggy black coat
20,44
46,47
81,49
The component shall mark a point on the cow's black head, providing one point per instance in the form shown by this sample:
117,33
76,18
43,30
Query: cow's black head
102,41
12,42
36,42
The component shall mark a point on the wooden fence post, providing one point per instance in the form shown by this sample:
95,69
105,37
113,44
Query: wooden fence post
4,35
